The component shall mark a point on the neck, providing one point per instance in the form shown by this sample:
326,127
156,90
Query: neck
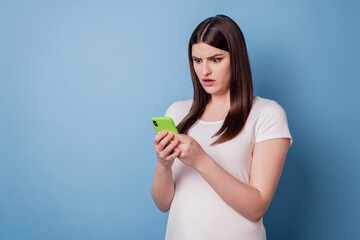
221,100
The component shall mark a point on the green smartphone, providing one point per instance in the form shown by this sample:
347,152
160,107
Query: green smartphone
164,123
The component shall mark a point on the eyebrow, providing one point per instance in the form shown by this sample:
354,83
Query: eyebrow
215,55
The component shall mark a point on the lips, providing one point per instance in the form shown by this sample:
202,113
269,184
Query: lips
208,81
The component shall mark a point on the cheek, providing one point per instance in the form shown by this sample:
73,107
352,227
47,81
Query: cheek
227,71
224,71
196,69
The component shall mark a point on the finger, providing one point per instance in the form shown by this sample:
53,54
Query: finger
160,147
174,155
165,140
169,148
160,136
176,136
172,140
177,152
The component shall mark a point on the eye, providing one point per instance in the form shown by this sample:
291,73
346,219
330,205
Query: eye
217,60
196,60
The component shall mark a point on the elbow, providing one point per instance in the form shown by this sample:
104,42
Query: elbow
158,205
254,216
164,210
257,214
258,211
162,207
255,219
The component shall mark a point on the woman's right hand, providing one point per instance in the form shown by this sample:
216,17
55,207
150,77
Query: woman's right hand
165,143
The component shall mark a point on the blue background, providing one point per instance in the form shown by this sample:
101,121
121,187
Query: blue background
80,80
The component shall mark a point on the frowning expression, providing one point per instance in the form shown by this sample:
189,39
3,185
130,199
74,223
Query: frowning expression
212,67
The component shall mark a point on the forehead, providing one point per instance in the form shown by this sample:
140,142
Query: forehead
204,50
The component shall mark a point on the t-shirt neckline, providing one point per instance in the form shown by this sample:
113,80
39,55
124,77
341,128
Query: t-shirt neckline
220,121
213,122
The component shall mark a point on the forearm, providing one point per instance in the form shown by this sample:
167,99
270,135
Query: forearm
243,198
162,189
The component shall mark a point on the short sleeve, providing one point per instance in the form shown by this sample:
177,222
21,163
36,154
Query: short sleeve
170,111
178,110
272,123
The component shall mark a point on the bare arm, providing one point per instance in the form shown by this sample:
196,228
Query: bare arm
162,188
250,200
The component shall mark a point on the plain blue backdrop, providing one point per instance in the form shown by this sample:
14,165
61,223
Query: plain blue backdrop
80,80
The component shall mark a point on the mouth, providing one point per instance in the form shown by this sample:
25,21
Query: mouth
208,81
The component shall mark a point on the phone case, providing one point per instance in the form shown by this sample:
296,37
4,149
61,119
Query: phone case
164,123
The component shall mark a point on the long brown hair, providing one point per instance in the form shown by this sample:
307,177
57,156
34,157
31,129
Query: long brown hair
223,33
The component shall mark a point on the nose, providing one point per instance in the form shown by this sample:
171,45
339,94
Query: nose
206,70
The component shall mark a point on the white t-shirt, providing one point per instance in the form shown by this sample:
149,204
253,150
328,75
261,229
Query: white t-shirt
197,212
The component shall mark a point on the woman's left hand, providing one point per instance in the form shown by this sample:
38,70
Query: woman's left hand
191,151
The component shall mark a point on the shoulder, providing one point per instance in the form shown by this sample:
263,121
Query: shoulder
178,110
266,106
183,105
270,120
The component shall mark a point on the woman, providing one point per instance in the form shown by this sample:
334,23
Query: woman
220,188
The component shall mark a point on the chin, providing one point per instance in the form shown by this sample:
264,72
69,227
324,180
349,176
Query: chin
209,92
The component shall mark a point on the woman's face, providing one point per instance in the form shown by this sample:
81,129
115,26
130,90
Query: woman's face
212,63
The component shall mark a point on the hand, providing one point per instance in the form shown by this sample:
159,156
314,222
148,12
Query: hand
191,151
165,144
